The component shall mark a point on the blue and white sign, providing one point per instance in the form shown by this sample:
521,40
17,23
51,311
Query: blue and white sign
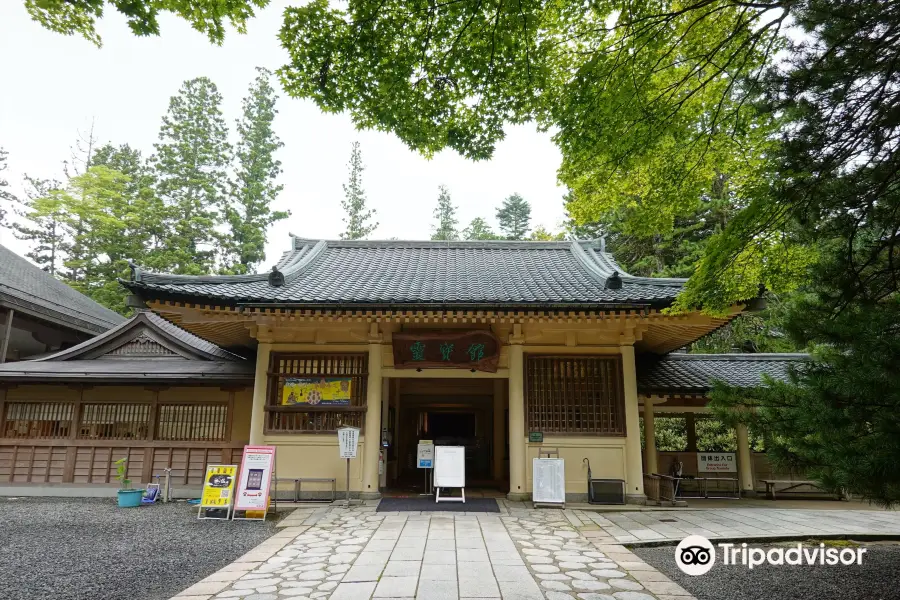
425,455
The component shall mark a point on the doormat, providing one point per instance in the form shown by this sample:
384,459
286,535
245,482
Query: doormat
486,505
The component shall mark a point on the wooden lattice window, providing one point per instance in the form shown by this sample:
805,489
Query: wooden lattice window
192,422
316,393
575,395
114,421
38,420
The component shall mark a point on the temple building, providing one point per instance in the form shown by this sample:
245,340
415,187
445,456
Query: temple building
505,348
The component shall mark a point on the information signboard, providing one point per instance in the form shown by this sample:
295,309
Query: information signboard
449,471
348,440
218,491
255,478
548,481
716,462
425,454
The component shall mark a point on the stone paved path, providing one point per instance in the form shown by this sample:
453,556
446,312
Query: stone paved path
336,553
674,525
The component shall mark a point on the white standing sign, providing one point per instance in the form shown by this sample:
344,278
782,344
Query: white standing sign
255,478
716,462
449,471
348,440
548,481
425,455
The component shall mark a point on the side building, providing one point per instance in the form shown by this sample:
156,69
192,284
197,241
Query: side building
41,314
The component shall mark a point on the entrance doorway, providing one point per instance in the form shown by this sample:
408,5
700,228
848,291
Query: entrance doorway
449,412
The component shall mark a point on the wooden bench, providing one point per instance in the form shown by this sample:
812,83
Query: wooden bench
771,485
298,482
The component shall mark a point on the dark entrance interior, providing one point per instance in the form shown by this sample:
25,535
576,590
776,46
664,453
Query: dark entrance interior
451,412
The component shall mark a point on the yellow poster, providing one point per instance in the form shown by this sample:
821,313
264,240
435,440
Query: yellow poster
316,391
218,486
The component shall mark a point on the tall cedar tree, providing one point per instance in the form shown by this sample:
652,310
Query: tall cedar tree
190,163
41,225
358,217
839,184
5,194
445,213
249,210
479,229
514,217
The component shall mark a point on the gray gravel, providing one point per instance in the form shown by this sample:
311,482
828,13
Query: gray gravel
875,579
73,549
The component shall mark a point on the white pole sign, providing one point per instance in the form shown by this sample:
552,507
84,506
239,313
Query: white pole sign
348,440
716,462
425,455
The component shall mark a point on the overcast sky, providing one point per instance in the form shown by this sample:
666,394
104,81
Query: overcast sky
53,86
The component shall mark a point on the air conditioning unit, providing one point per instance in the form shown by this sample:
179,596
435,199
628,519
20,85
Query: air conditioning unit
606,491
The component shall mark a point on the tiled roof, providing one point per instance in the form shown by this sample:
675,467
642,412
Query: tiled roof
185,356
318,272
694,373
26,288
196,346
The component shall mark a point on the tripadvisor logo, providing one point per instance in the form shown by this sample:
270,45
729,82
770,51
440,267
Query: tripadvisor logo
695,555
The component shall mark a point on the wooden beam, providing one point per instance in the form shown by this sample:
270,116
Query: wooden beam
7,328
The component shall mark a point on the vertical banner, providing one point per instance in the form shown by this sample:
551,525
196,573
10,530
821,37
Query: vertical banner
255,479
218,491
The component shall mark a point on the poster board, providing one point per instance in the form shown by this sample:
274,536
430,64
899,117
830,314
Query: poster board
317,391
425,454
255,479
548,477
348,441
218,491
450,466
716,462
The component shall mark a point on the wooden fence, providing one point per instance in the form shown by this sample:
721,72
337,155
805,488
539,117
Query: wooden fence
42,462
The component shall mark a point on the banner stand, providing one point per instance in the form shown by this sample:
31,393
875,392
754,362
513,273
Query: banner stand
218,492
254,495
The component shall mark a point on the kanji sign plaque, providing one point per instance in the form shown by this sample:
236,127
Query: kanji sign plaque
479,350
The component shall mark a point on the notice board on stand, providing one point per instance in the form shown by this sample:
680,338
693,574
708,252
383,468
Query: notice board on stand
450,466
549,481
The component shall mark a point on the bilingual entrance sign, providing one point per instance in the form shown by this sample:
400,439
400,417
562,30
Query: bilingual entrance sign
348,441
255,478
716,462
425,454
218,490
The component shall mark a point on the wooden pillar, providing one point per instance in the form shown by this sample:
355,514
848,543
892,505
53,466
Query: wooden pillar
388,389
634,472
517,457
745,467
690,426
260,387
372,436
7,330
499,444
650,438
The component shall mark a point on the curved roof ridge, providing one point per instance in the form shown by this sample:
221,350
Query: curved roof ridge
416,244
611,263
307,255
592,266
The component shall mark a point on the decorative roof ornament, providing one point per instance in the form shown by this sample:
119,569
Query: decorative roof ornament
614,282
276,277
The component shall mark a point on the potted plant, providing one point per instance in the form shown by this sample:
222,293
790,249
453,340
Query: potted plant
127,497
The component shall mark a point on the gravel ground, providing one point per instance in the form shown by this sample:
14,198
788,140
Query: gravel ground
91,549
875,579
